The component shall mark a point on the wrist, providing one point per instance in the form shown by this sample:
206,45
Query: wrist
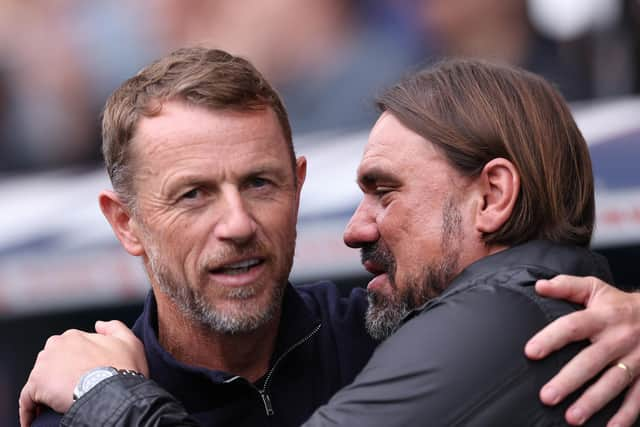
95,376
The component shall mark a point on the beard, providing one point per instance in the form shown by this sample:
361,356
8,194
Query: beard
385,313
246,313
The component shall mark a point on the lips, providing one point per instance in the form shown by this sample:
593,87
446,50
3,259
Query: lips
244,271
373,268
237,267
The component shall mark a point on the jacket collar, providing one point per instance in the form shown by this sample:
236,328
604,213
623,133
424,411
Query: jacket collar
296,323
554,258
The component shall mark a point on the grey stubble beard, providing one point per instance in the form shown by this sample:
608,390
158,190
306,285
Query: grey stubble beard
248,316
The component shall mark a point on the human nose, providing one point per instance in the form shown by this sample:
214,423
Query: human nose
236,223
362,227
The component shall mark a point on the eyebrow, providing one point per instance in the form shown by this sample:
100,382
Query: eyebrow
373,175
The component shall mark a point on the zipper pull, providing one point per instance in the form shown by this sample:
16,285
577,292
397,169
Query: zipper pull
267,402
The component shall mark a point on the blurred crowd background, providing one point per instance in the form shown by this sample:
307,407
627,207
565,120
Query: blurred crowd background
60,59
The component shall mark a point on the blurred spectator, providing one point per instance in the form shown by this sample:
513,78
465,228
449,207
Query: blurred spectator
59,60
325,57
500,30
50,122
57,74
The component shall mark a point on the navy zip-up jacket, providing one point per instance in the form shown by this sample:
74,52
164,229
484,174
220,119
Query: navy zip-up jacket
321,346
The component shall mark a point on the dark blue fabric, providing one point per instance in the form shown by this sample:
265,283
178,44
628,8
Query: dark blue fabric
305,378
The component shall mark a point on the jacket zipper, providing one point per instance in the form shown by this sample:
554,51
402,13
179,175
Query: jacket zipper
264,393
266,400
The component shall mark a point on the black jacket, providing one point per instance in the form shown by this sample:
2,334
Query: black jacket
320,347
457,361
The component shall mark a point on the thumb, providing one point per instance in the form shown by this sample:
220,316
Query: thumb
114,328
117,329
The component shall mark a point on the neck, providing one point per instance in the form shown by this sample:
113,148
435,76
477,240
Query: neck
243,354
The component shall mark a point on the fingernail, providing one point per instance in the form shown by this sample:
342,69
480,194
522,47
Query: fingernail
550,395
577,414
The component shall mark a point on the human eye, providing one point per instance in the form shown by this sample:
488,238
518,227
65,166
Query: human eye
384,194
192,194
257,182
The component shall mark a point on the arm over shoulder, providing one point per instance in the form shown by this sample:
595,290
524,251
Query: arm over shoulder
124,401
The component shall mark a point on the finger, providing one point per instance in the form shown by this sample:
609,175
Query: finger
628,412
26,405
573,327
114,328
572,288
608,386
119,330
584,366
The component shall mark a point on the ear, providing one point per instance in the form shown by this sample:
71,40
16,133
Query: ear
301,174
499,188
122,222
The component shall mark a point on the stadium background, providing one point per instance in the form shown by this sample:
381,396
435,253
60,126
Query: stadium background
60,265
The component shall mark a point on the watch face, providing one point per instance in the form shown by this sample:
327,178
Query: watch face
95,376
92,378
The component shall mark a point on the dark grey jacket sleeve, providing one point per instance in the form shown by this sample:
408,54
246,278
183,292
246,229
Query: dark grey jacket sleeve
461,362
125,400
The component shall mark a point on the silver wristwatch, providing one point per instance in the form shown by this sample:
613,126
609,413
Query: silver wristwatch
91,378
96,375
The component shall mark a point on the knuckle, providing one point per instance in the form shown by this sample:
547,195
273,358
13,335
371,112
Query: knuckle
627,311
560,278
614,314
52,341
572,326
594,280
627,338
72,333
41,355
596,283
595,398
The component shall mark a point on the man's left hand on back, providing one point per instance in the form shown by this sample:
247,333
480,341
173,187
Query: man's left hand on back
611,321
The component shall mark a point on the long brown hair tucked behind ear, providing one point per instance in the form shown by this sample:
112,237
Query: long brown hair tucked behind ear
474,111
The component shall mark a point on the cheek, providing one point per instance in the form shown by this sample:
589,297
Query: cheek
185,243
394,224
279,232
411,235
277,220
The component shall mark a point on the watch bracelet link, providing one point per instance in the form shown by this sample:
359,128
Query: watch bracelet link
129,372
